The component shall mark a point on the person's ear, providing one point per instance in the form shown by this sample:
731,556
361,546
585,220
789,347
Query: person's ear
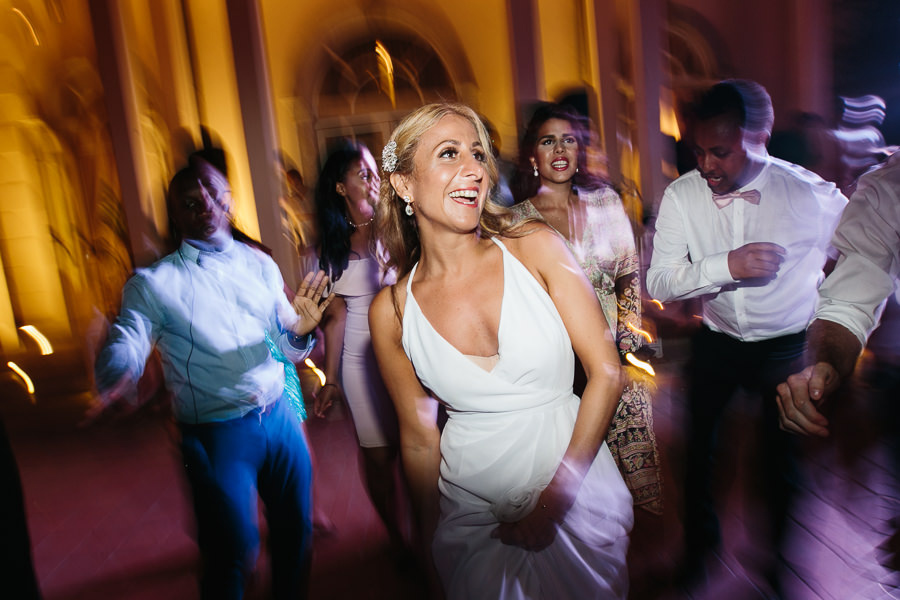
400,183
341,189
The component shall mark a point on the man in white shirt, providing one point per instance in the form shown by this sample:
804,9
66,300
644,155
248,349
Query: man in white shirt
850,305
747,234
216,310
850,299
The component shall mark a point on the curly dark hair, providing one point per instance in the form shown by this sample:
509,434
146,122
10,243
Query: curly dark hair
524,184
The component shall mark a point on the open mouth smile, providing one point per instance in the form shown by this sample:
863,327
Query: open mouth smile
714,180
465,197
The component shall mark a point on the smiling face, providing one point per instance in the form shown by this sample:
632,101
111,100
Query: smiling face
450,180
721,153
360,184
556,151
201,203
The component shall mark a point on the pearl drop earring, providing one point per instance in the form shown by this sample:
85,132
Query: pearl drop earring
535,171
409,208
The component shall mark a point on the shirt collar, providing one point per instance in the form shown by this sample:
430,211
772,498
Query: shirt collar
758,182
195,255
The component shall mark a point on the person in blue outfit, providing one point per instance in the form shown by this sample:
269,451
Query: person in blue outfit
216,311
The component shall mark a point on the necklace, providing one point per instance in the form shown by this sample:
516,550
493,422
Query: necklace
358,225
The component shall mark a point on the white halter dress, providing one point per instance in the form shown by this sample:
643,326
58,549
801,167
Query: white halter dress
506,434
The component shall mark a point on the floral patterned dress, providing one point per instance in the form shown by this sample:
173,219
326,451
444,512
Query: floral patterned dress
606,253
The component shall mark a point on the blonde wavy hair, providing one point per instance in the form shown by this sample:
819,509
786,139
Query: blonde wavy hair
396,231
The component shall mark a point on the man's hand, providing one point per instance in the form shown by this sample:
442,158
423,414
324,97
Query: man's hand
757,259
800,396
115,396
309,303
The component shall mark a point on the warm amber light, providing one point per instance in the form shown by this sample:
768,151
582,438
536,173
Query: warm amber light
640,364
658,303
25,378
646,335
34,36
309,363
386,71
668,121
42,341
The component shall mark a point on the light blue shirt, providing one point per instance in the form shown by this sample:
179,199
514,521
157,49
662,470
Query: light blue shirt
207,313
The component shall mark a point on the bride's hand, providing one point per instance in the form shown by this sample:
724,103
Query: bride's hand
534,533
537,529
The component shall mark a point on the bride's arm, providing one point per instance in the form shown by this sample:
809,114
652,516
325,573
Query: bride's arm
546,256
416,415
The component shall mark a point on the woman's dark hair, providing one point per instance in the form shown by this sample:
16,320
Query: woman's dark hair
524,184
332,216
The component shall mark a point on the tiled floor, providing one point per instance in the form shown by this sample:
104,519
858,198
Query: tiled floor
109,518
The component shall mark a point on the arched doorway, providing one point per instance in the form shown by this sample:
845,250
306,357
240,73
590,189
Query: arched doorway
372,84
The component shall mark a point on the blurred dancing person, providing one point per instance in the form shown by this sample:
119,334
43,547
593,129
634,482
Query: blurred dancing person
748,234
553,183
217,312
850,305
346,194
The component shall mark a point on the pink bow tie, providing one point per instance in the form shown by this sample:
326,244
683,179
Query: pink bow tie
723,200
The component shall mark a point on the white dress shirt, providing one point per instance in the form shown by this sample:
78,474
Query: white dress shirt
868,238
208,313
797,210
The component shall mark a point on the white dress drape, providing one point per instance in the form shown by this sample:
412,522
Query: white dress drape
506,433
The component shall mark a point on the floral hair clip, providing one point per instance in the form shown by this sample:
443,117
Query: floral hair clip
389,157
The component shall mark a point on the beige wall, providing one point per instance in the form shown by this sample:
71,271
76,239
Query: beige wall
474,51
565,47
218,101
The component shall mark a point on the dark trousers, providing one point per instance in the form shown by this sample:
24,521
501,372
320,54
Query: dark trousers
228,465
16,567
719,365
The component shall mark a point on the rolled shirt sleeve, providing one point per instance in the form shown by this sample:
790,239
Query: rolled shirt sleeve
868,239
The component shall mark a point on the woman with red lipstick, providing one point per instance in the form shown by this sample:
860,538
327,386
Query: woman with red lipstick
517,496
345,197
553,183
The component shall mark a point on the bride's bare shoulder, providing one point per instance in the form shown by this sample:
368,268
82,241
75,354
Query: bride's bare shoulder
537,242
387,306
